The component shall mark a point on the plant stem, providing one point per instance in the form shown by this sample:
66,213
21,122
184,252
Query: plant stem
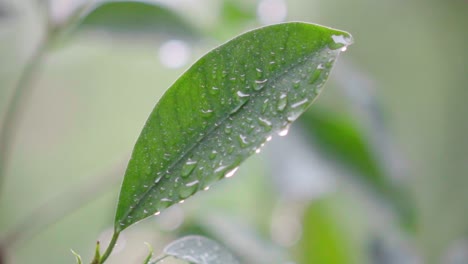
53,209
13,111
158,259
111,246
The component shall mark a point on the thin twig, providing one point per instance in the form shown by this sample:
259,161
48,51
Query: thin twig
61,205
14,108
158,259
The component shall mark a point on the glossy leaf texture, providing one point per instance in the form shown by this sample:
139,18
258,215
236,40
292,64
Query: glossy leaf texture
199,250
141,17
224,109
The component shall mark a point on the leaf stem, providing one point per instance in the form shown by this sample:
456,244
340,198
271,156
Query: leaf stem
53,209
111,246
158,259
13,111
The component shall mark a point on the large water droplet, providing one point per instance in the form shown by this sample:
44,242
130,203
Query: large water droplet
259,72
259,84
242,95
231,173
282,102
238,106
284,131
213,154
340,41
159,175
189,189
265,123
188,168
243,141
300,103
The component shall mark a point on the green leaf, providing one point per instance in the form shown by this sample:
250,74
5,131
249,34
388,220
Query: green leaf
136,17
339,138
78,257
326,237
199,250
150,255
224,108
97,254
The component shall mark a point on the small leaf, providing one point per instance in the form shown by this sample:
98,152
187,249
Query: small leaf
136,17
222,110
78,257
150,255
199,250
97,254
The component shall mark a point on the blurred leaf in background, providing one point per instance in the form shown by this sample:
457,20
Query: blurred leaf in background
413,51
326,236
143,18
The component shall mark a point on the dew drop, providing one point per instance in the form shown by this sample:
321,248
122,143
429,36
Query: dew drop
264,122
220,168
238,106
207,112
258,150
157,213
282,102
315,76
340,41
188,168
300,103
190,189
261,81
214,90
242,95
269,138
213,154
265,106
231,172
158,177
297,84
243,141
284,131
206,188
259,72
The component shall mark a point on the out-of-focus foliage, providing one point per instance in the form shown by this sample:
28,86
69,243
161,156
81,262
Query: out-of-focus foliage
199,250
414,57
144,18
326,238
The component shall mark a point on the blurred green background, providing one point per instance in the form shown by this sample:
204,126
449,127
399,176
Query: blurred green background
376,172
